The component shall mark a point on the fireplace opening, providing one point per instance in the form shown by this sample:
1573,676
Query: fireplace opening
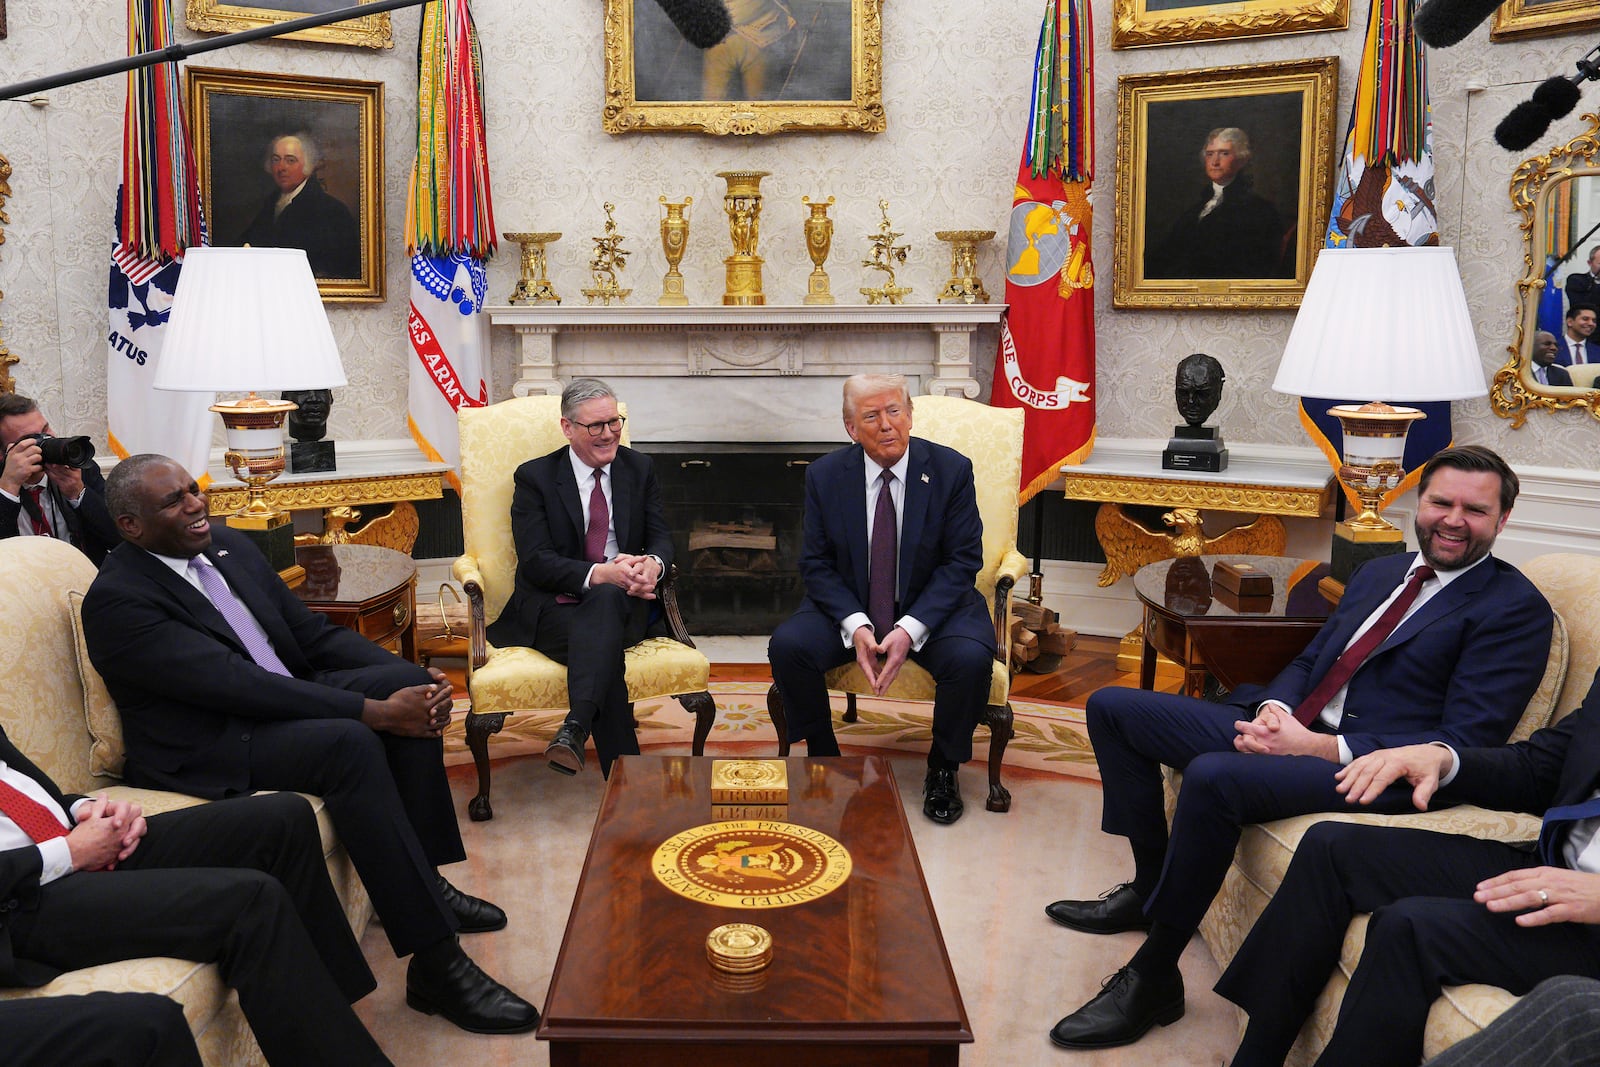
735,513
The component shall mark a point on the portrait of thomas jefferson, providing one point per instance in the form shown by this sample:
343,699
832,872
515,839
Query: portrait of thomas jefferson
1228,230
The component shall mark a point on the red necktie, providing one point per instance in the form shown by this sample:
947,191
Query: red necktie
41,525
599,531
1342,670
32,817
881,562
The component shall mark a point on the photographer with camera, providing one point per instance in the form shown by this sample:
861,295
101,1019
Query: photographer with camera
51,486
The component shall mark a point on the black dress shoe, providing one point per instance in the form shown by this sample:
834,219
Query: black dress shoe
566,748
941,795
475,915
448,983
1117,910
1124,1010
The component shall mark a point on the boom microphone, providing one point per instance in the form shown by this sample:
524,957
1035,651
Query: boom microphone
1553,99
1442,23
703,23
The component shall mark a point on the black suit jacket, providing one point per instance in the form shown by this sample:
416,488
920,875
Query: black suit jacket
19,877
316,222
187,689
548,523
1582,289
89,525
1557,765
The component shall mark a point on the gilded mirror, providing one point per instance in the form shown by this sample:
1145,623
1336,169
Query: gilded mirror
1557,196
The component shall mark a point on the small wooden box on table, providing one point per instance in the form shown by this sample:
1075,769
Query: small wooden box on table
859,977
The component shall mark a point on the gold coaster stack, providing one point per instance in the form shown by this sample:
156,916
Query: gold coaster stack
739,948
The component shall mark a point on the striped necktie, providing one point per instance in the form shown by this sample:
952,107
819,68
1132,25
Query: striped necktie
237,616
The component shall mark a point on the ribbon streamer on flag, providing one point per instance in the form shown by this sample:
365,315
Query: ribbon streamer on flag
450,233
1383,197
157,218
1045,364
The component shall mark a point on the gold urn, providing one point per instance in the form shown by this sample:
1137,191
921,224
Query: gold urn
742,202
819,239
674,242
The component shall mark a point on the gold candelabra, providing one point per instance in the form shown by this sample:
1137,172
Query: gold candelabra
608,258
885,254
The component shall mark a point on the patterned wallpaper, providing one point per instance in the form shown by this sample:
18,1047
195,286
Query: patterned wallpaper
956,77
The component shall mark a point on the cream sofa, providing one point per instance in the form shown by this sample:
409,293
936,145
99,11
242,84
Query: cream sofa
55,709
1572,585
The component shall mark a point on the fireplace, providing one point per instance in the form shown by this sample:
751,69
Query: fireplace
735,513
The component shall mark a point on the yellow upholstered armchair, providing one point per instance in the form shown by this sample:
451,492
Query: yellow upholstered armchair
992,439
495,440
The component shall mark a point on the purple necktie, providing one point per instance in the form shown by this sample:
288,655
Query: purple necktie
236,615
881,564
594,540
1345,666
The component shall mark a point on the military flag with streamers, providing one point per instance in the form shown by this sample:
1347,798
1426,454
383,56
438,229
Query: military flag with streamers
1383,197
450,233
157,218
1046,360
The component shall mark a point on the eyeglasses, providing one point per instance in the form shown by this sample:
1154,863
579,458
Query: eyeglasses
597,428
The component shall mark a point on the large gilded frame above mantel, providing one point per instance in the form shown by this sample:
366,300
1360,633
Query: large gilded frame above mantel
219,16
666,88
1533,184
1141,24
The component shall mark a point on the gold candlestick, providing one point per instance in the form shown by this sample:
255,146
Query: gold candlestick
742,202
533,287
608,258
964,283
819,239
885,254
674,242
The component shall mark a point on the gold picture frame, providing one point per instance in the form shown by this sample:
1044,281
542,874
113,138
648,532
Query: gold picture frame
1542,18
238,117
1278,215
789,65
1537,185
218,16
1149,23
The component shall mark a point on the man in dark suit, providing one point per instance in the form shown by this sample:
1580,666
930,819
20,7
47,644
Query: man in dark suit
1446,909
890,557
592,544
1583,286
1446,645
227,683
1577,342
300,213
241,882
1545,369
51,500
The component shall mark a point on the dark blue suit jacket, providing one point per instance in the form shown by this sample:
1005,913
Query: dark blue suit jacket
1558,765
1564,351
1459,670
941,541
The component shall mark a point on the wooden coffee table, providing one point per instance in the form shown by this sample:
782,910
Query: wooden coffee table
859,976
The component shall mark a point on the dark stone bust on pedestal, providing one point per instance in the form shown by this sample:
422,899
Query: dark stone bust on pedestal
1198,391
309,453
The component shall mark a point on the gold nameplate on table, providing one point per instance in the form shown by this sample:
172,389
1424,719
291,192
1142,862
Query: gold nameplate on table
749,781
752,863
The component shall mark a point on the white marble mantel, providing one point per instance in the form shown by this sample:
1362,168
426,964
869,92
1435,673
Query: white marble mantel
699,358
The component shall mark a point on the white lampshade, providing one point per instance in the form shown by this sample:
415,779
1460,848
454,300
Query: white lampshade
248,319
1383,324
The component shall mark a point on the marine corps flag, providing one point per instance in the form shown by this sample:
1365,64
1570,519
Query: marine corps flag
1046,360
449,234
1383,197
157,219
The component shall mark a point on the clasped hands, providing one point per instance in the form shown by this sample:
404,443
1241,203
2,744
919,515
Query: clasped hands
635,575
881,661
415,711
1276,732
106,834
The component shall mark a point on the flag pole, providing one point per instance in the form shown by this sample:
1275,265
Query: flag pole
173,53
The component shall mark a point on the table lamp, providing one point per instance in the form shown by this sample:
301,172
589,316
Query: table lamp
1380,322
248,319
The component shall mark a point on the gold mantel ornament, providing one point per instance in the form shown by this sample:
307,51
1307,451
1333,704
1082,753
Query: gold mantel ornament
674,242
742,202
608,258
885,254
819,239
534,286
964,283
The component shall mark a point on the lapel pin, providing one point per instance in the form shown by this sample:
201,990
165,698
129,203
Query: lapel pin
924,479
222,552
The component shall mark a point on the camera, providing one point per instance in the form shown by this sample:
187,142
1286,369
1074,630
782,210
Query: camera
62,451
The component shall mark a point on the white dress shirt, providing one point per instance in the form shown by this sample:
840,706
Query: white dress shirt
1333,712
897,492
